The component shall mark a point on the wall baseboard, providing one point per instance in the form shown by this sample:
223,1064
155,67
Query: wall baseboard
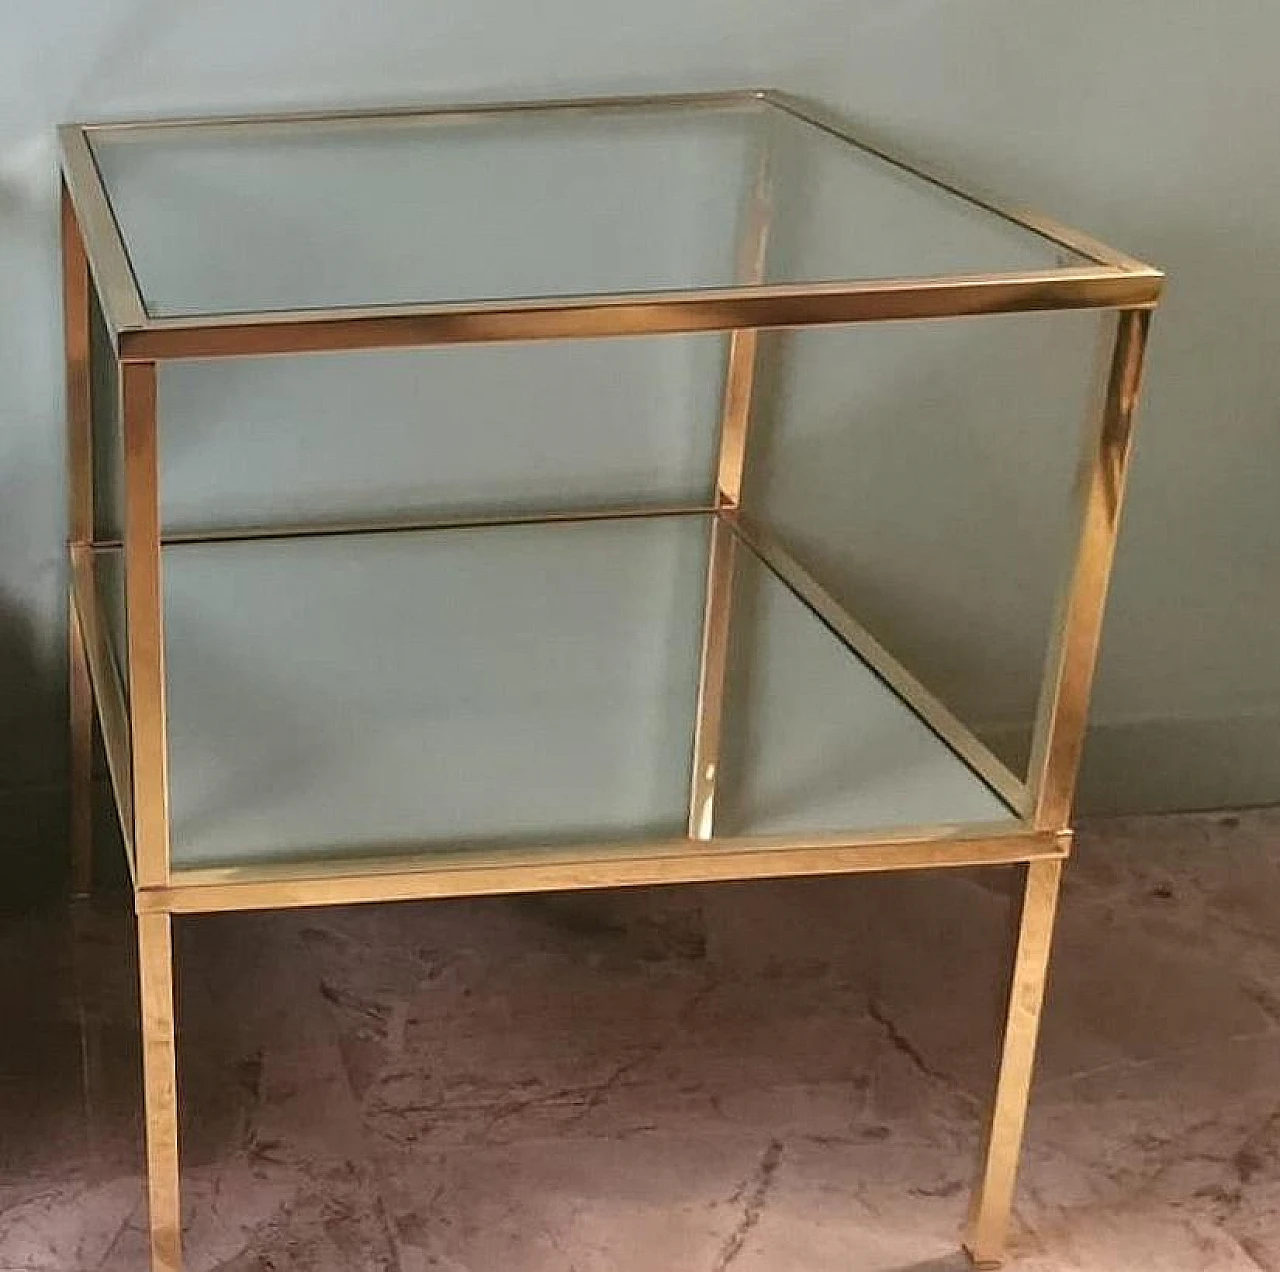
1168,766
34,860
33,837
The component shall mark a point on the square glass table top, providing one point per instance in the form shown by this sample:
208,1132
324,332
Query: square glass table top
617,198
517,686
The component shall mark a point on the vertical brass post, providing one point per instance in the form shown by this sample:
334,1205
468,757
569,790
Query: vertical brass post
735,418
160,1081
75,326
1055,759
145,635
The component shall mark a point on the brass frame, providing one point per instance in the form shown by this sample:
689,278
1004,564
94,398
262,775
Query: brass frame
130,701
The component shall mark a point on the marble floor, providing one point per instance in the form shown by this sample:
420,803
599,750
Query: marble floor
757,1077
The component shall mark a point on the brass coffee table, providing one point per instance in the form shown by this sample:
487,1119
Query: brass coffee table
577,658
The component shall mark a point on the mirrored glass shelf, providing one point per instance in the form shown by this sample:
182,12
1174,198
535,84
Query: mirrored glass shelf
510,686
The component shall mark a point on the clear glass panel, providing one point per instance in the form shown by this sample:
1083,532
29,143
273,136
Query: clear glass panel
836,211
923,472
537,684
408,210
378,692
814,741
471,431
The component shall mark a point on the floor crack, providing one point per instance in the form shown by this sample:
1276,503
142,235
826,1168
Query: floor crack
1255,1253
905,1047
754,1194
1260,1148
1131,1063
597,1094
125,1224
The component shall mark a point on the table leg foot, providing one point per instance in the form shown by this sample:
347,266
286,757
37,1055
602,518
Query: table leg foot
993,1196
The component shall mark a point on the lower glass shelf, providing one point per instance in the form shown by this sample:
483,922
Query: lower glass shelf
427,692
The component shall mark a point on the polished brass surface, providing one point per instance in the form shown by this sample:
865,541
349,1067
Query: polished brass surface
237,534
774,305
733,435
143,599
732,98
1057,745
75,334
712,666
134,725
1058,740
470,874
75,328
930,709
743,343
734,421
993,1198
107,689
108,260
160,1078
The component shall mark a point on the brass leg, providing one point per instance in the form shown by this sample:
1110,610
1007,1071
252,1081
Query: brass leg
75,313
81,776
993,1197
155,969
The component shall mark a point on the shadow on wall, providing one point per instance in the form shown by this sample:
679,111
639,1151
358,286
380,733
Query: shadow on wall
32,569
34,857
32,812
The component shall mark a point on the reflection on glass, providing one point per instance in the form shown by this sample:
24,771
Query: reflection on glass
515,685
542,203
